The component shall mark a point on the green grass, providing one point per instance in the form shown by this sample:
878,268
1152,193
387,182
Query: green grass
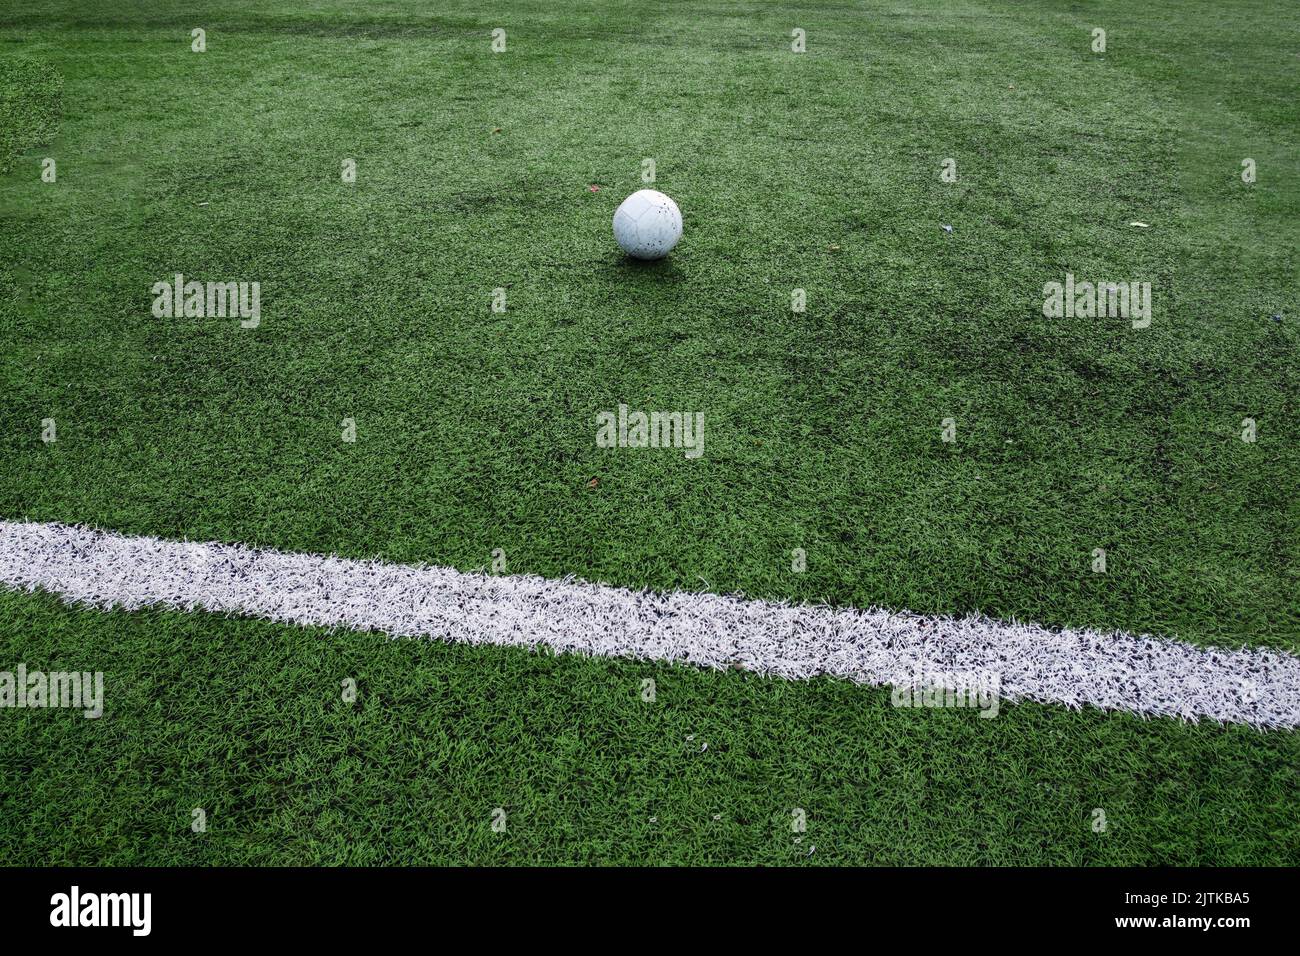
29,106
476,430
246,720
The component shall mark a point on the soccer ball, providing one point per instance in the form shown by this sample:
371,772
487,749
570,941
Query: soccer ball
647,225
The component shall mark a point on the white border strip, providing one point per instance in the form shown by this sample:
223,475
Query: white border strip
1111,671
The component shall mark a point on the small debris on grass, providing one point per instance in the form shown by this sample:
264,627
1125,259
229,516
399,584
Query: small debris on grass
594,483
1277,318
593,188
203,204
497,129
946,228
1140,225
833,248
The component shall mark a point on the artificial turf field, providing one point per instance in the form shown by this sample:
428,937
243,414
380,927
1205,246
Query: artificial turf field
475,429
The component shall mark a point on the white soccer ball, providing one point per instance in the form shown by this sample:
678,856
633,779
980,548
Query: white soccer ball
647,225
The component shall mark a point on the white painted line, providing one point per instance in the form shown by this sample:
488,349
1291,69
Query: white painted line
1114,671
